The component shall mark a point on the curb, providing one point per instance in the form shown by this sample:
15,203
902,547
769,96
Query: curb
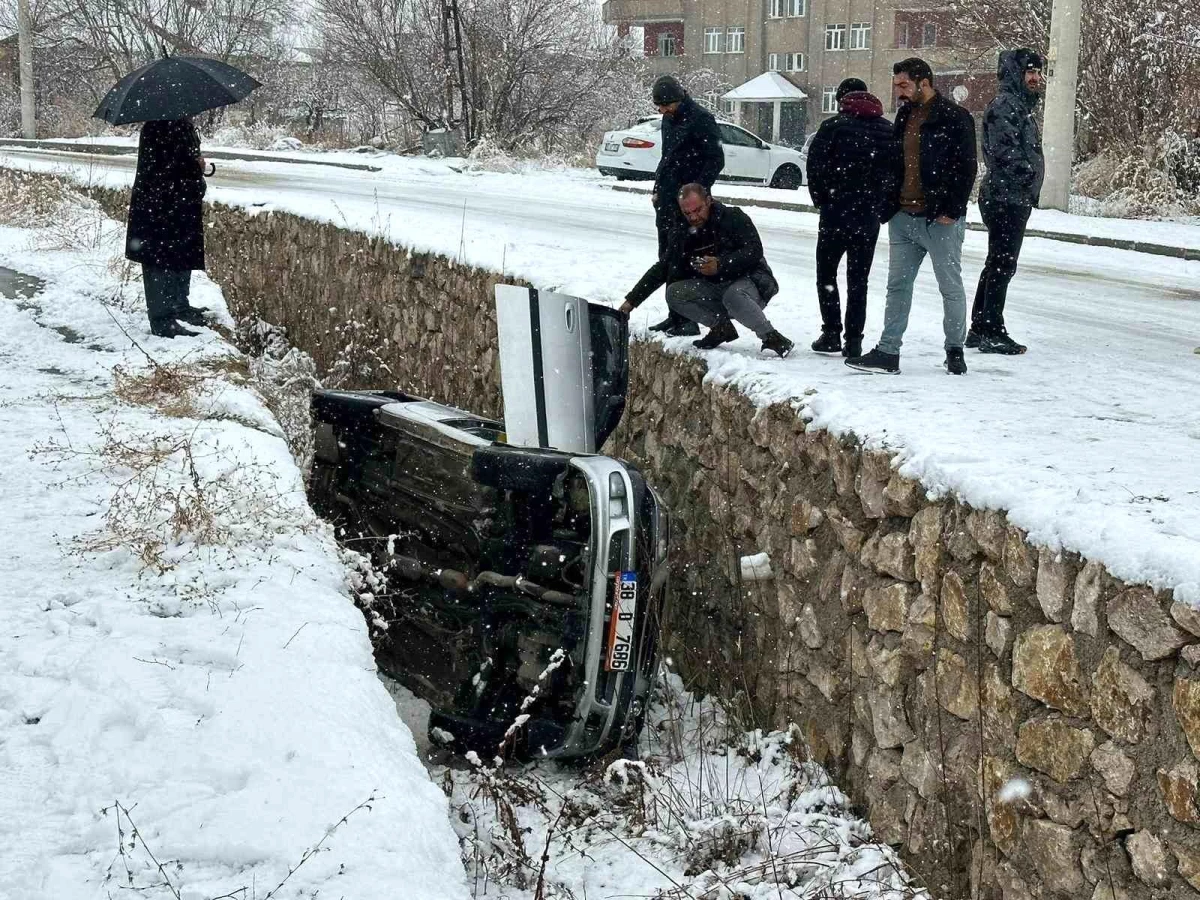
119,150
1188,253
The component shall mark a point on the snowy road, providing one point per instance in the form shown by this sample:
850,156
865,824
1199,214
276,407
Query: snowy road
1089,441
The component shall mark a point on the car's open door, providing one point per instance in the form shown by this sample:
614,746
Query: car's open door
564,368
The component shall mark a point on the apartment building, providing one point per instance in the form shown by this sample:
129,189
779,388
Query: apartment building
814,43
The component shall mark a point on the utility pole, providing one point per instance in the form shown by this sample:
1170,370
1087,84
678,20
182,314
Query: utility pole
1062,70
25,55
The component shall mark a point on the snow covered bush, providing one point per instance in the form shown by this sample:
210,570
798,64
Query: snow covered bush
256,136
1160,181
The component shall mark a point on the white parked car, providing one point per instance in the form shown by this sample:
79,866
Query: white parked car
633,153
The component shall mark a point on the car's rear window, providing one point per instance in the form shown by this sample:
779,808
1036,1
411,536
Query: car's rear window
648,127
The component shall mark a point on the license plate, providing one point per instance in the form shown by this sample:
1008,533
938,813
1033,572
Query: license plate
612,147
620,629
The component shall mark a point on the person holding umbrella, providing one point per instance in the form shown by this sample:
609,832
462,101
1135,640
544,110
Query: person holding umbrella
166,210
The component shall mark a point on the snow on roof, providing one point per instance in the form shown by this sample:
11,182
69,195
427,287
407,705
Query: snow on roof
765,87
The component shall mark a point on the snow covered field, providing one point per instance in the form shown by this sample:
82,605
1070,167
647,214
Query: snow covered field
1089,441
188,701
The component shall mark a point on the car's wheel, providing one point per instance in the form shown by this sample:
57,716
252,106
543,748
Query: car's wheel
787,178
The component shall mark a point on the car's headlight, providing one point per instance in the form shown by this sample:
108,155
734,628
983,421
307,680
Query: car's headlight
616,496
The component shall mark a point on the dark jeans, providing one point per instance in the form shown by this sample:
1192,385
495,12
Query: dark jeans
667,217
167,292
857,244
1006,230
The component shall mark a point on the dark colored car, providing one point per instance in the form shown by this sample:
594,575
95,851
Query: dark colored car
527,584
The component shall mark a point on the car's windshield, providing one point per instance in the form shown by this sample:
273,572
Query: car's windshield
648,127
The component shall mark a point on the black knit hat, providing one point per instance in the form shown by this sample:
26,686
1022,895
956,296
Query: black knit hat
850,86
667,89
1027,59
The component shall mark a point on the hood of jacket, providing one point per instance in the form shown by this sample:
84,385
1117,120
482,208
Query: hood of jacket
1010,71
862,104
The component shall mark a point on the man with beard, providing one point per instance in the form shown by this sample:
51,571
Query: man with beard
691,154
927,214
1012,150
715,273
851,166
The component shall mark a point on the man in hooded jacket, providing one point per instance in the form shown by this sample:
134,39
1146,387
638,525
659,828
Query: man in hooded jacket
691,154
1012,151
851,173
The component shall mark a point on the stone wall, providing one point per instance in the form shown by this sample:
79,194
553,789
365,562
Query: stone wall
1020,722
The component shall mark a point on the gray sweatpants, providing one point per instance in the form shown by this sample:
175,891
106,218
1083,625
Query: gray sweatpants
712,303
911,238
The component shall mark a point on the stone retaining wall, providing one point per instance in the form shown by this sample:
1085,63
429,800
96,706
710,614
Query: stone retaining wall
1020,722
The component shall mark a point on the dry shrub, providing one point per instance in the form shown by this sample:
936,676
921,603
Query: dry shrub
30,200
1159,181
285,378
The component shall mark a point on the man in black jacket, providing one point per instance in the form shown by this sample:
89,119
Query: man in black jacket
166,223
927,213
715,273
1012,149
851,167
691,154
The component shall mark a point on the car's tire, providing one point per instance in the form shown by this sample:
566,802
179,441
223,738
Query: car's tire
787,177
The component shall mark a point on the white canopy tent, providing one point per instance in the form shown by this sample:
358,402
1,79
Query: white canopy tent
769,87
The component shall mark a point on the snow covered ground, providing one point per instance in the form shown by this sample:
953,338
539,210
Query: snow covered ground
1089,441
188,702
709,811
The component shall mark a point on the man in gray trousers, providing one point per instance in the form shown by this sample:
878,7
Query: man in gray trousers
715,273
927,215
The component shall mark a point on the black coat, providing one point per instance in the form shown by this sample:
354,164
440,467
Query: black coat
1012,146
166,210
948,163
852,163
691,151
728,235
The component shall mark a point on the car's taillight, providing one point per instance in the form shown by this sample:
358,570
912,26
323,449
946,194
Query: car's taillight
637,143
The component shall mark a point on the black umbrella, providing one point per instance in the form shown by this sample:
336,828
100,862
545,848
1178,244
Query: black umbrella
173,87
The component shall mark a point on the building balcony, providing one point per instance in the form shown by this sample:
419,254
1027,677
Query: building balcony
635,12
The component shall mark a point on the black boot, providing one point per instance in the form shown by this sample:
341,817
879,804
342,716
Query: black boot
777,343
828,342
717,335
877,362
1001,343
852,347
170,329
956,363
974,338
675,325
193,315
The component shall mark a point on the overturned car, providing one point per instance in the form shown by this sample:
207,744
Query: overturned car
527,582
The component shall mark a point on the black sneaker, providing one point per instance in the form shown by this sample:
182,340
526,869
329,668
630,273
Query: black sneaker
852,347
956,363
172,329
974,338
717,335
675,325
828,342
777,343
877,362
1001,343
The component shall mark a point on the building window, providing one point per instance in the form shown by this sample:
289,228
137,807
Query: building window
795,62
735,40
666,44
712,40
902,35
835,37
929,36
797,8
829,102
860,36
772,62
775,9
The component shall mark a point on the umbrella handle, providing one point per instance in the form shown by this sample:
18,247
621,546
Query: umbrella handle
212,170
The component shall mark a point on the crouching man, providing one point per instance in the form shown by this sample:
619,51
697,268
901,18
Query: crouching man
715,273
